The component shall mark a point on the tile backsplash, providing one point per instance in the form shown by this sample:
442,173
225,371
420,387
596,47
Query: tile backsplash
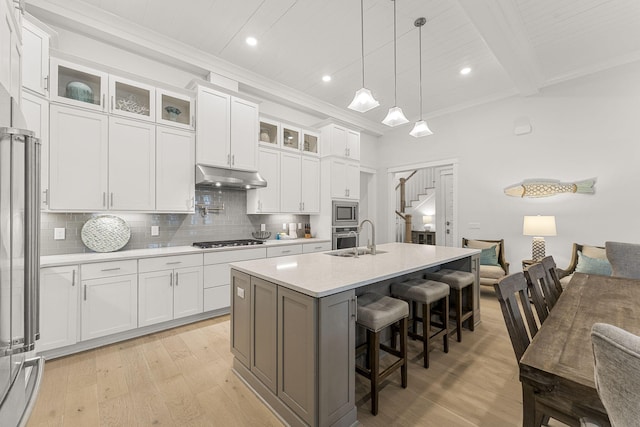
232,222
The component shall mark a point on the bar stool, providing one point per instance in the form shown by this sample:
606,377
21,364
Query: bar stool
376,312
425,292
458,281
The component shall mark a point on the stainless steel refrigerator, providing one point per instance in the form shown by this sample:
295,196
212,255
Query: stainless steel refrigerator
20,374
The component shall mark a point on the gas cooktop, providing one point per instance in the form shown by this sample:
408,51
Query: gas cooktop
224,243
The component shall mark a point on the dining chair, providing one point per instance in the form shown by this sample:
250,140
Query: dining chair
552,280
624,259
617,372
537,282
512,295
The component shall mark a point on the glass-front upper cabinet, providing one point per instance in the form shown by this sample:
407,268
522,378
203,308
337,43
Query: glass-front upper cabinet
269,133
78,85
310,142
131,99
290,137
174,109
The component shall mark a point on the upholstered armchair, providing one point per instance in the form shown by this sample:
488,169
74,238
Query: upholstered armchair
585,259
493,265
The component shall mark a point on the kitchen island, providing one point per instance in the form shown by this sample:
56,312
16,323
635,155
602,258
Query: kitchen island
293,323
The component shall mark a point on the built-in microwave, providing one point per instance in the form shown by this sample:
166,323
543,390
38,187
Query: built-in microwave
344,214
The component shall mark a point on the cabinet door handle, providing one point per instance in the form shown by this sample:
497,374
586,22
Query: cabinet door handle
354,313
171,279
177,278
111,199
103,101
233,159
303,206
112,100
345,152
46,197
85,292
46,83
104,199
174,263
111,269
73,278
286,252
229,159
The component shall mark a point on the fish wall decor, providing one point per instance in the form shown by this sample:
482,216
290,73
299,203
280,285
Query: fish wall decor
549,187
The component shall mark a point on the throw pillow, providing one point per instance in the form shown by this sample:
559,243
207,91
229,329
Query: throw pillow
480,244
590,265
488,256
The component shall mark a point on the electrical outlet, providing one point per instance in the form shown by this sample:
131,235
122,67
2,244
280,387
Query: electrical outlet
240,293
155,230
59,233
299,226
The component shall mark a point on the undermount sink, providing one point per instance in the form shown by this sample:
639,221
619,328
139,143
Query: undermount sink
350,253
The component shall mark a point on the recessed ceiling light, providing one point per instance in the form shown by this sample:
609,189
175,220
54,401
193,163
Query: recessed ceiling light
251,41
465,71
326,78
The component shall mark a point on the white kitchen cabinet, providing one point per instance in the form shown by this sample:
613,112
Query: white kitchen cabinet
36,113
35,58
345,179
266,199
131,99
276,251
310,180
217,275
170,288
109,303
175,178
174,109
77,85
244,128
290,137
226,131
10,50
131,165
78,172
310,142
316,247
269,133
341,142
58,307
300,183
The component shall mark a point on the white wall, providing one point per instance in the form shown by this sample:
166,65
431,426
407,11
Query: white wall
581,129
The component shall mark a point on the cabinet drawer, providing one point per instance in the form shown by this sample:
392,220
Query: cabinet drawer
284,250
108,269
217,275
235,255
316,247
217,298
170,262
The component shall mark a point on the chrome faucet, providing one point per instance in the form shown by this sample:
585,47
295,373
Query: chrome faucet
371,245
355,248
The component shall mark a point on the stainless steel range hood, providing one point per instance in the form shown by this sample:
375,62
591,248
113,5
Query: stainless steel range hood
211,176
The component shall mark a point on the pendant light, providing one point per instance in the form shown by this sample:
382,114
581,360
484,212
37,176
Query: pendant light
420,128
363,101
395,116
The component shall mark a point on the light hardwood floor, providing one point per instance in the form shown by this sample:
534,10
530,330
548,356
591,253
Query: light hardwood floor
182,377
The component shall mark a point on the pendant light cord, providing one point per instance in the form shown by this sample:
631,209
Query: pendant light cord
420,49
395,61
362,36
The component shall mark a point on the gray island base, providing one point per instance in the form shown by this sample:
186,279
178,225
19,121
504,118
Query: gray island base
293,323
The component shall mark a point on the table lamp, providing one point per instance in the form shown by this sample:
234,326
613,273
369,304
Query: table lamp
538,226
427,220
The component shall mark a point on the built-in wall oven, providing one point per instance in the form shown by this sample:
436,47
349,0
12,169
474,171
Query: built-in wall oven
344,237
344,219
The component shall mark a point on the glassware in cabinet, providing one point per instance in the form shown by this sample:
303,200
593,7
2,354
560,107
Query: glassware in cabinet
310,142
290,137
131,99
78,85
269,132
174,109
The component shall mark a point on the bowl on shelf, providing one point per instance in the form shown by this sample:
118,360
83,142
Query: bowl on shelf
173,112
79,91
261,235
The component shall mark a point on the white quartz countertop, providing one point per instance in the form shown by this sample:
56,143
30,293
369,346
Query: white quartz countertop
319,275
82,258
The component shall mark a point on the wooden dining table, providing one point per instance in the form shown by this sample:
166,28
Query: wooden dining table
557,368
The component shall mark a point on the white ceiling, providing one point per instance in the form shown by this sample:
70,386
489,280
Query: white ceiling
512,46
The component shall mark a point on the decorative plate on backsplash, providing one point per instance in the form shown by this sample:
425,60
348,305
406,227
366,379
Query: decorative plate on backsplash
105,233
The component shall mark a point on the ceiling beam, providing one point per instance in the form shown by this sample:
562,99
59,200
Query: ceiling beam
501,27
90,21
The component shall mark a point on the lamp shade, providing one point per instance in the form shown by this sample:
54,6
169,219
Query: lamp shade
395,117
427,219
420,129
363,101
539,225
